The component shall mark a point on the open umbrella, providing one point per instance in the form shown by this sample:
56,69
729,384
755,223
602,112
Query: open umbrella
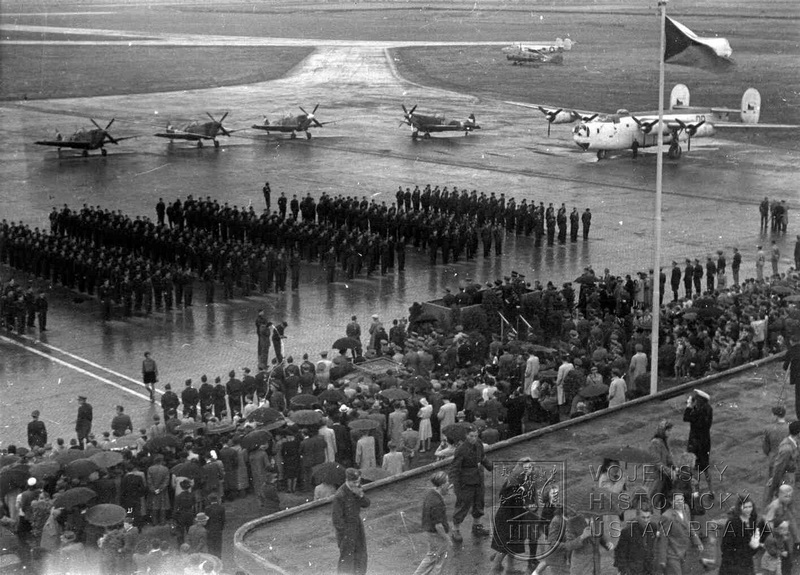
346,343
45,469
304,401
81,468
792,298
188,470
395,394
456,432
8,459
541,349
14,476
125,442
106,459
363,424
587,279
220,428
420,383
75,496
627,454
190,426
256,438
306,417
594,390
105,515
265,415
332,396
163,441
331,473
781,290
374,474
69,455
90,450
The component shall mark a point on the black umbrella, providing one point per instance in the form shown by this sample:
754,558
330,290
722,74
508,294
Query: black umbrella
220,428
594,390
190,426
420,383
363,424
628,454
781,290
306,417
125,442
14,476
75,496
792,298
163,441
45,469
81,468
105,515
256,438
395,394
304,401
106,459
332,396
70,455
587,279
188,470
265,415
8,459
331,473
346,343
456,432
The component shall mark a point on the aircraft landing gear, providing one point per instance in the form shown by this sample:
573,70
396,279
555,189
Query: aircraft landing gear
308,135
427,136
414,135
602,154
216,143
85,153
293,136
104,152
674,152
199,143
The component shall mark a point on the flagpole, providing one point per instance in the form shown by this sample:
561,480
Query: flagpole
656,308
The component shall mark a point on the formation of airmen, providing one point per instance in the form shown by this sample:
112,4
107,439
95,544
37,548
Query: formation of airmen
144,265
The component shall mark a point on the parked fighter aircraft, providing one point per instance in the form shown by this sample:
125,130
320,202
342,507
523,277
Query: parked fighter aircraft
537,53
632,131
85,140
293,124
197,131
436,123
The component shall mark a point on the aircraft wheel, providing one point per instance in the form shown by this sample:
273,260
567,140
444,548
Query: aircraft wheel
601,154
199,143
308,135
414,135
103,151
427,136
85,153
293,136
674,152
216,144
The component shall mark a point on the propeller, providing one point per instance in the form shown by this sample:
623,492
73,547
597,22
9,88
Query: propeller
408,114
691,130
551,117
106,135
645,127
219,124
310,117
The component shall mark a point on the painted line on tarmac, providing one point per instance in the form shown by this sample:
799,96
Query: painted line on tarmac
86,361
75,367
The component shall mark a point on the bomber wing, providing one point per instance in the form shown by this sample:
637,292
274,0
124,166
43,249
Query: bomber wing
65,144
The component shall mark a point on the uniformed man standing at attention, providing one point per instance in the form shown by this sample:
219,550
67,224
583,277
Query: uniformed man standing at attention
586,219
83,423
675,280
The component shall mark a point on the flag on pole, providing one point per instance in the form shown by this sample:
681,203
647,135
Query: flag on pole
684,48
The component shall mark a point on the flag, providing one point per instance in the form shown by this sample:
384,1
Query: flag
685,48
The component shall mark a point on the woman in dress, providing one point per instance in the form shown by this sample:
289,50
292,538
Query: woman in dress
740,538
425,430
242,469
518,505
290,453
365,452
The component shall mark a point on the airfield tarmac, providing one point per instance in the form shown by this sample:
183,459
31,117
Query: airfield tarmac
710,202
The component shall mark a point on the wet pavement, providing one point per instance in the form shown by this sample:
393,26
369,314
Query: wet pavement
710,202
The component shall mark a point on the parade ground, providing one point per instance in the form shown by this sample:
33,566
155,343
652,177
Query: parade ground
148,64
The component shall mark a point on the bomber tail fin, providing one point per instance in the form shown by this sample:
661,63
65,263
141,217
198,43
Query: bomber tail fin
679,98
751,106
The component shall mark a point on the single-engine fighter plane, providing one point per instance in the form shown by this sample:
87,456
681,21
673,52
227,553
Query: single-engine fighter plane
436,123
537,54
626,130
197,131
293,124
86,140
